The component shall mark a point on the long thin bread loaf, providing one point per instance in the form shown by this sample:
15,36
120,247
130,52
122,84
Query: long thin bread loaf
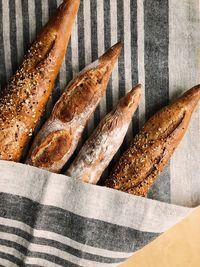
59,136
152,148
102,145
23,100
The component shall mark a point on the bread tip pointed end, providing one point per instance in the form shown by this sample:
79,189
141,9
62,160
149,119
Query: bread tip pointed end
112,54
194,92
136,89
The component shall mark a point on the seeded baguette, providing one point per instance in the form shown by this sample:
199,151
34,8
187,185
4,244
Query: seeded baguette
59,136
23,100
102,145
152,148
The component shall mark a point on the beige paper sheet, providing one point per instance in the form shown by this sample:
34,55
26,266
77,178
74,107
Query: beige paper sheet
178,247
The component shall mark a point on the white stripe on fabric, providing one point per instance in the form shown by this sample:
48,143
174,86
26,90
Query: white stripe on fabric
19,29
87,31
114,39
32,20
52,252
45,18
101,46
184,39
115,72
74,46
62,76
14,238
127,57
11,251
88,48
141,69
6,263
55,237
6,37
64,255
45,11
32,182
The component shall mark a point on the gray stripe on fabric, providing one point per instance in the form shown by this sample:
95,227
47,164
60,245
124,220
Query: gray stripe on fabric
81,55
63,257
93,201
25,18
120,36
6,38
52,4
13,36
88,50
156,32
38,15
68,62
83,230
106,31
10,258
5,262
68,65
94,47
134,58
128,57
45,18
121,63
107,40
62,73
28,249
81,37
22,233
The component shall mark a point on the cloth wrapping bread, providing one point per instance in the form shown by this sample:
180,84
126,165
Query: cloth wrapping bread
47,219
53,220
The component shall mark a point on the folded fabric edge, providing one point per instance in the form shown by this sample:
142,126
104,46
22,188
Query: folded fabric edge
87,200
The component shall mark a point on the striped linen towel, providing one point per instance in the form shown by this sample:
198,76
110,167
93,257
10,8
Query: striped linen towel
51,220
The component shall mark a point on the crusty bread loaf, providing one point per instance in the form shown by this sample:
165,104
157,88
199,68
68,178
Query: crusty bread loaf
59,136
152,148
102,145
23,100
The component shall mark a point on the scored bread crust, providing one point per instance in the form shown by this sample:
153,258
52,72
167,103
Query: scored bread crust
24,98
102,145
59,136
152,148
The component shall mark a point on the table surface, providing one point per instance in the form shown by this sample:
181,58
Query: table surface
179,246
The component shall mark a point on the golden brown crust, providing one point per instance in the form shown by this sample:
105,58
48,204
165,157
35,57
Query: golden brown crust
72,112
74,102
152,148
52,149
23,100
102,145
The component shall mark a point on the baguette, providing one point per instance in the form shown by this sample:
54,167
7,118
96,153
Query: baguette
59,136
152,148
23,100
102,145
